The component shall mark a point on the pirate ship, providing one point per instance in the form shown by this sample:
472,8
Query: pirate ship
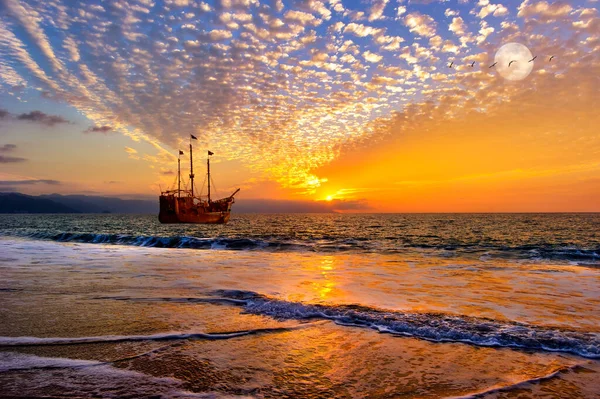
183,206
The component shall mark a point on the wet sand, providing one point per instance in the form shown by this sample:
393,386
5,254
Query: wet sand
134,307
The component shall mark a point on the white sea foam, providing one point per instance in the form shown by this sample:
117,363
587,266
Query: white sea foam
429,326
518,384
85,378
17,361
170,336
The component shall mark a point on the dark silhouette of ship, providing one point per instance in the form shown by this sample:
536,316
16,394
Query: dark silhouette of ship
182,206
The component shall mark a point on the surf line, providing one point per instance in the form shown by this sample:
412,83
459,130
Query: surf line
78,364
524,383
432,327
54,341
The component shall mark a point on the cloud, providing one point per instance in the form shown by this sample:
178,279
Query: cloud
349,205
372,57
544,10
400,11
458,26
249,79
219,34
497,10
42,118
10,183
377,9
450,47
421,24
361,30
298,206
29,19
132,153
6,159
299,16
99,129
484,32
8,148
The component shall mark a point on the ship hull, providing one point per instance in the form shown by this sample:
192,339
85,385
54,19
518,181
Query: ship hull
199,218
185,210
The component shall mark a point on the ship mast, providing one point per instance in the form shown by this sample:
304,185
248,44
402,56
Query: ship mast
179,176
192,165
208,170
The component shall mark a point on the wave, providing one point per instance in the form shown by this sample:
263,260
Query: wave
55,341
18,362
522,384
429,326
387,245
85,378
434,327
184,242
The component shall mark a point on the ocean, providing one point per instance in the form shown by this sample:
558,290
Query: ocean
301,306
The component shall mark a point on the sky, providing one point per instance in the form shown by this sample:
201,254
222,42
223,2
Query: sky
365,105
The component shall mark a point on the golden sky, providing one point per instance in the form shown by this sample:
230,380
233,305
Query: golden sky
379,106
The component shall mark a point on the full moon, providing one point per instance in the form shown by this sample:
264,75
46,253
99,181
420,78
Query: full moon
520,68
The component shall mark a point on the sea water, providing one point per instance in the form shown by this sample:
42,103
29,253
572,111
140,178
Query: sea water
301,306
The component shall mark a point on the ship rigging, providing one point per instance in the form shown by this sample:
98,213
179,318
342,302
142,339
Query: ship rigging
183,206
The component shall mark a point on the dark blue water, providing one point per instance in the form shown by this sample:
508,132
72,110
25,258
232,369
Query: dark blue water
568,237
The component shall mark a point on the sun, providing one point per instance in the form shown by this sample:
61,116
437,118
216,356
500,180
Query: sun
329,198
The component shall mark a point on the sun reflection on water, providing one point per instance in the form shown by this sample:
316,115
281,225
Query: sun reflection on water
327,267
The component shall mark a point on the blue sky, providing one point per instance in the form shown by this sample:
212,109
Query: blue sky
261,83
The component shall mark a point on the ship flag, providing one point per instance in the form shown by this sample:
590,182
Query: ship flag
211,153
194,137
180,152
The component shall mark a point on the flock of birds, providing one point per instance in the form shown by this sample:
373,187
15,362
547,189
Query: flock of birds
494,64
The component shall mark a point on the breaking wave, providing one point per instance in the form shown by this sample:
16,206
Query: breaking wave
428,326
388,245
434,327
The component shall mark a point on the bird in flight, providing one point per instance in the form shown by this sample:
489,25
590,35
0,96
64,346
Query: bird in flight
450,66
531,60
551,58
472,64
511,62
493,65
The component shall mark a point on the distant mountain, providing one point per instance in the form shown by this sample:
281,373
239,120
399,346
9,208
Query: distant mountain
56,203
21,203
97,204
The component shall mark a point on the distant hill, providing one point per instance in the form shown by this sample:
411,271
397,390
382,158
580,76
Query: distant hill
56,203
97,204
21,203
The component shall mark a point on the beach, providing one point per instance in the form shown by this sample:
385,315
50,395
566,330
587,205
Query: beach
320,314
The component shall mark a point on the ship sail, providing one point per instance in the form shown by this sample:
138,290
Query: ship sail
189,208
